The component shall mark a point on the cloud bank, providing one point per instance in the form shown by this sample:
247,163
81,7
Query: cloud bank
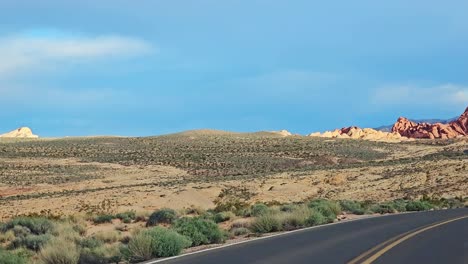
24,52
417,95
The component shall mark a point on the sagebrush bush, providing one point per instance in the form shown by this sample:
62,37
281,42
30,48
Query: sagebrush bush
31,242
156,242
36,225
400,205
166,242
223,217
59,251
295,219
105,218
353,207
259,209
139,248
240,231
316,218
126,217
383,208
100,255
7,236
107,236
329,209
199,231
163,216
266,223
11,258
418,206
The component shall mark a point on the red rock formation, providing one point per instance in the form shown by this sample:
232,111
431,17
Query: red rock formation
453,129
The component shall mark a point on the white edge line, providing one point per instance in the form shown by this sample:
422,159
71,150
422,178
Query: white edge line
271,236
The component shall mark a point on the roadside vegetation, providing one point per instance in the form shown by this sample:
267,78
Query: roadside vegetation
134,237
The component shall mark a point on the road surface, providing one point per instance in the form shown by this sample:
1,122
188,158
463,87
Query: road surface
425,237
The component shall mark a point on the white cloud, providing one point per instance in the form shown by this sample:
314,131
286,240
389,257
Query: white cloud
26,52
417,95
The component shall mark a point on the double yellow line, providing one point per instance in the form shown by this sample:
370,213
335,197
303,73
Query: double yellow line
376,252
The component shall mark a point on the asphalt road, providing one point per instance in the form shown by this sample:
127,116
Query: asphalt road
426,237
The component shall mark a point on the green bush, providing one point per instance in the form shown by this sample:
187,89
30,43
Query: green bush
11,258
353,207
400,205
32,242
163,216
154,243
418,206
101,219
259,209
100,255
266,223
295,219
316,218
200,231
223,217
36,225
166,242
383,208
328,209
90,243
126,217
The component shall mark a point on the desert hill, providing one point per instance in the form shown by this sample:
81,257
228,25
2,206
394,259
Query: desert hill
22,132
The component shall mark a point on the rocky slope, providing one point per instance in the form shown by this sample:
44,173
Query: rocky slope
359,133
22,132
454,129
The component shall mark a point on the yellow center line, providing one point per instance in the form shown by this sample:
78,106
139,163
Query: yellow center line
397,240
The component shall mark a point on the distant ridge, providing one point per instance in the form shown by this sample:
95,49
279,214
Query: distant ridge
214,132
388,128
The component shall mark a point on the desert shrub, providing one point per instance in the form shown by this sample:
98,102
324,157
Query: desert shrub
316,218
156,242
353,207
32,242
36,225
400,205
7,236
126,217
383,208
418,206
240,231
288,207
105,218
295,219
59,251
166,242
223,217
240,223
91,242
100,255
200,231
139,248
266,223
20,231
107,236
163,216
11,258
259,209
328,209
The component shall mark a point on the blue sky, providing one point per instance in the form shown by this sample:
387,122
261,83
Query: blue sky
142,68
